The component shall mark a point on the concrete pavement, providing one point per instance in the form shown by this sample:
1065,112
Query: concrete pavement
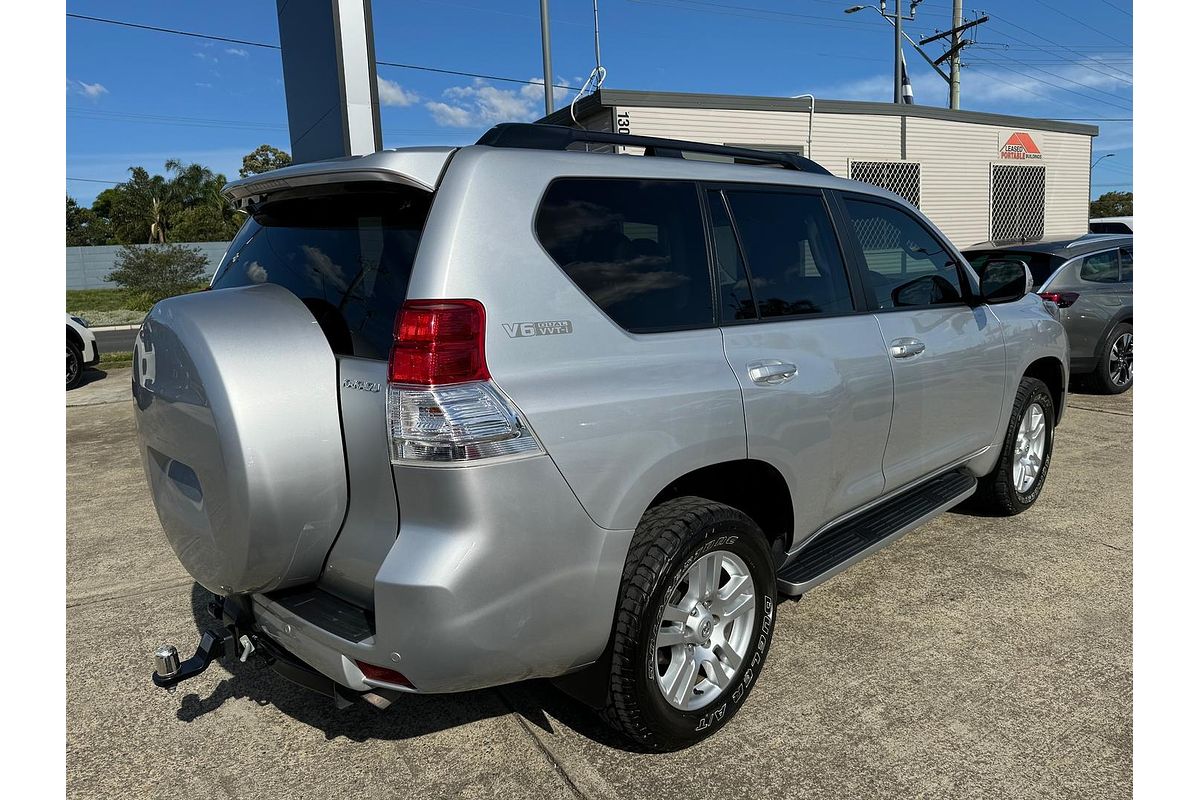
976,657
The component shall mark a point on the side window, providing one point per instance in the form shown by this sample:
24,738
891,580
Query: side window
1127,264
906,265
636,248
794,263
733,288
1100,267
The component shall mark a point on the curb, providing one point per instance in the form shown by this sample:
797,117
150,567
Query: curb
103,328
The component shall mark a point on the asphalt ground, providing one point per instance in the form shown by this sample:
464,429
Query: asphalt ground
975,657
118,341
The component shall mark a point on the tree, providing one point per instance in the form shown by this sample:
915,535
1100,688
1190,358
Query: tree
1112,204
158,271
150,208
84,226
264,159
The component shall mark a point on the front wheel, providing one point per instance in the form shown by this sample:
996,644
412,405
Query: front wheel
1017,480
74,366
1114,373
695,616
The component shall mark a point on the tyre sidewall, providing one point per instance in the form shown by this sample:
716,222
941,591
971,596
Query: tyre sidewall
73,351
1038,393
739,536
1104,379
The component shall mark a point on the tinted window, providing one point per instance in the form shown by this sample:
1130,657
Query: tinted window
1100,267
1041,265
1127,264
794,263
733,293
906,264
1109,227
347,255
636,248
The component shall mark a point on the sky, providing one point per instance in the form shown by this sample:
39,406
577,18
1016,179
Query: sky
138,98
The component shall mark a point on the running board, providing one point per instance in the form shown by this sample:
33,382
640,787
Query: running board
853,540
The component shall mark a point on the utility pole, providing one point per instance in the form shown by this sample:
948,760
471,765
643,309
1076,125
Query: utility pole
898,94
546,70
955,47
895,18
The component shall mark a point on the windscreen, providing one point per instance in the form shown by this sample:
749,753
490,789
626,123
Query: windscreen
1041,265
347,254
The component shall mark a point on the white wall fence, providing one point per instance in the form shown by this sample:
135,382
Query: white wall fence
87,266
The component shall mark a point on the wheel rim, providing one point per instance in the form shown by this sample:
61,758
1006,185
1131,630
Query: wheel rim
705,630
1120,360
1030,448
72,366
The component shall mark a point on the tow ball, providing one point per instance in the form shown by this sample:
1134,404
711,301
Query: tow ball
214,644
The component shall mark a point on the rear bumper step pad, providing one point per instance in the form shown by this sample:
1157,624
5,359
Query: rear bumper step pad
849,541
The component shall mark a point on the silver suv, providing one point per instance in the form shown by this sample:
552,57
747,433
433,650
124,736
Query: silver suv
453,418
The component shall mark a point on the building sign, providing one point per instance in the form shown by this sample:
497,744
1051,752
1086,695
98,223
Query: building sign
1020,146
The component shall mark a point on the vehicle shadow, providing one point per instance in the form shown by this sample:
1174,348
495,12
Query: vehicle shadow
410,716
91,375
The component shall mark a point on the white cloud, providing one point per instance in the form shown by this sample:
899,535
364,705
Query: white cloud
92,91
393,94
236,51
484,104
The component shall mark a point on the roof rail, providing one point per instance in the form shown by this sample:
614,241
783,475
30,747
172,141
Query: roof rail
536,136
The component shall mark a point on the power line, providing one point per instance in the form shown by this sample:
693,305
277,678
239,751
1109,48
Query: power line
1078,21
1117,7
1122,104
1084,56
95,180
268,46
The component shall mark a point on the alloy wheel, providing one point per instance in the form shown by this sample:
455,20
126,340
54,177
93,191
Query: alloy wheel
1120,360
705,630
1029,449
72,366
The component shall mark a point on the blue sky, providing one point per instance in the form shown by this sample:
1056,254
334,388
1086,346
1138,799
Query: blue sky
137,97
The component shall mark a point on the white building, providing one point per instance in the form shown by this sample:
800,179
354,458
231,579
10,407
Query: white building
978,176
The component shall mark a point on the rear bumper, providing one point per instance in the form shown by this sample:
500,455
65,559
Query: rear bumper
498,575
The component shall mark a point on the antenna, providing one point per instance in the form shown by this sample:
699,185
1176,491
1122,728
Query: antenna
597,76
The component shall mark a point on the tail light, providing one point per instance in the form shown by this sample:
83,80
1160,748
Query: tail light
1061,299
442,406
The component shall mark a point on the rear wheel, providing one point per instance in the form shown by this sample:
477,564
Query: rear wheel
695,616
74,366
1017,480
1114,372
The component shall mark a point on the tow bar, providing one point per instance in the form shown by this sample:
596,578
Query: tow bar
214,644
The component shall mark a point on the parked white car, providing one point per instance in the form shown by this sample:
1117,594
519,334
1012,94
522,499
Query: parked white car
1110,225
81,349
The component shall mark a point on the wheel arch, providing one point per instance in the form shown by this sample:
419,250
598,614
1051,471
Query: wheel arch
74,338
1052,372
753,487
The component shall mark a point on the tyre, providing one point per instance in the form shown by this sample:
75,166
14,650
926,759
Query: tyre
695,616
1114,372
74,366
1017,480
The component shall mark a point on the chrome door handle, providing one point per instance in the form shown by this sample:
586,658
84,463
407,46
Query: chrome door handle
906,347
771,371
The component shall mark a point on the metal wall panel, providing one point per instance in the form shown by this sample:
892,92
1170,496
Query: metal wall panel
88,266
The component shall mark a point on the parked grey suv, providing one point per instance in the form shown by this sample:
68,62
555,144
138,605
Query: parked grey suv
1091,280
453,418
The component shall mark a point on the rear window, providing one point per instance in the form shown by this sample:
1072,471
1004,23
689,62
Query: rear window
636,248
1041,265
347,254
1109,227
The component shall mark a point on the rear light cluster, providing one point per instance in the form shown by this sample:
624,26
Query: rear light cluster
442,406
383,674
1061,299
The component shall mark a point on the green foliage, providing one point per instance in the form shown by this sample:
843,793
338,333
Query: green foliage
99,300
1112,204
203,223
84,227
152,273
264,159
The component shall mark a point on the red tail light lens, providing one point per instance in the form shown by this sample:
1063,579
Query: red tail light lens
438,342
1061,299
383,674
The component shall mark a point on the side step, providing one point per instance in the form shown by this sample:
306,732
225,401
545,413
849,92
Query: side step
850,541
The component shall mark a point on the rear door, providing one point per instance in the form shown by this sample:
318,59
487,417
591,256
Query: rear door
947,357
815,381
347,253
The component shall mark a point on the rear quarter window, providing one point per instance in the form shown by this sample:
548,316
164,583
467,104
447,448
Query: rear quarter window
347,255
635,247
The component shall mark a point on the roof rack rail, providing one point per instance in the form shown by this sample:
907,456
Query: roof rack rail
536,136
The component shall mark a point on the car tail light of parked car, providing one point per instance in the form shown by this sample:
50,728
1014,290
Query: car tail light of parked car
442,405
1061,299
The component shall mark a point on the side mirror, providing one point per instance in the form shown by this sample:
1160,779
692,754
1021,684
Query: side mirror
1004,280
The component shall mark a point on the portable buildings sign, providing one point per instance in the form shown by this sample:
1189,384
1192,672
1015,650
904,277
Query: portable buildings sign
1019,146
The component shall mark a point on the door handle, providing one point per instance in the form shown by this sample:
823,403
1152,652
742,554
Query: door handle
906,347
771,371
